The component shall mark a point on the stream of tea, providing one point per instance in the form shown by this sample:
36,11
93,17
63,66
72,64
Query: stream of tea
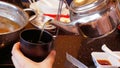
41,33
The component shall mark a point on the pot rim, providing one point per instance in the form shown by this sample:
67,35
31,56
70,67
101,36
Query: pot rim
20,9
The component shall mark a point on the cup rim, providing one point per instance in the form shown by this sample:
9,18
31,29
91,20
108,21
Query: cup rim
38,30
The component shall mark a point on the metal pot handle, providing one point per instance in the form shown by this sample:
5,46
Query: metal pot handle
32,10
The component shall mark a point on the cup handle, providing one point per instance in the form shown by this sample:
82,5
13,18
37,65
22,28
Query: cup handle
31,10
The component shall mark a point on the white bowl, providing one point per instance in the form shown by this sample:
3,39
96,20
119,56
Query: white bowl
97,56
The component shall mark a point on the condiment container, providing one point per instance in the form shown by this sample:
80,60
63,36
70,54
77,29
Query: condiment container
104,60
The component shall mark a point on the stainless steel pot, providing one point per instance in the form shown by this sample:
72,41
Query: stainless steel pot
17,15
91,18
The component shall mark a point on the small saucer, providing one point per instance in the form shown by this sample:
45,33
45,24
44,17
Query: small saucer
42,22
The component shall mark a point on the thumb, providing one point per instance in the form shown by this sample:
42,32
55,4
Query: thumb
50,58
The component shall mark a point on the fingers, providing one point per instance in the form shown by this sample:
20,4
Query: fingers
15,62
17,57
50,59
16,50
16,47
19,60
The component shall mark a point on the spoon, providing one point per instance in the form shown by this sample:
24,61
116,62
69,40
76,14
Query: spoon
75,62
107,50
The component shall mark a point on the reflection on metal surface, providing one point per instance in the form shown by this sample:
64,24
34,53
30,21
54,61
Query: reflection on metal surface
83,2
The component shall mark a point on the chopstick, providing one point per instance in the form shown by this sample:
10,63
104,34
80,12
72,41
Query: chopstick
59,15
59,9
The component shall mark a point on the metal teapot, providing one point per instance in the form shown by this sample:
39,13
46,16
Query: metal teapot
92,18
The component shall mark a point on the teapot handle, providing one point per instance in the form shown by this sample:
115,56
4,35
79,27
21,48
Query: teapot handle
31,10
68,6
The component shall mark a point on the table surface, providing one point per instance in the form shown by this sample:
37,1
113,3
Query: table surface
76,46
81,48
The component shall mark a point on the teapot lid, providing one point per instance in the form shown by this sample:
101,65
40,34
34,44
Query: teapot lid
82,6
82,2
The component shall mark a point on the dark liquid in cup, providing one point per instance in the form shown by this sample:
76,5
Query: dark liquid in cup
38,53
32,47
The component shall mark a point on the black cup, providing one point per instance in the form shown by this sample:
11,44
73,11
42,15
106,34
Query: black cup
33,48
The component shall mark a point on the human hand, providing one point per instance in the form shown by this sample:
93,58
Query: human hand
20,61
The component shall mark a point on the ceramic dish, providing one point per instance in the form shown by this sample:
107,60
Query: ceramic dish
103,60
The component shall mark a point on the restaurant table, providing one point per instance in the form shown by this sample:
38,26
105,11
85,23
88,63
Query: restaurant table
76,45
81,48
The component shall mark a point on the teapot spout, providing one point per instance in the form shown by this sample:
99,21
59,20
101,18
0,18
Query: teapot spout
67,27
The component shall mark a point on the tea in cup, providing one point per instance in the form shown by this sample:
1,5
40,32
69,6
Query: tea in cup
34,47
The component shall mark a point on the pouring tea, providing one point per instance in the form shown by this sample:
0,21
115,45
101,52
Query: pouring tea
94,19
